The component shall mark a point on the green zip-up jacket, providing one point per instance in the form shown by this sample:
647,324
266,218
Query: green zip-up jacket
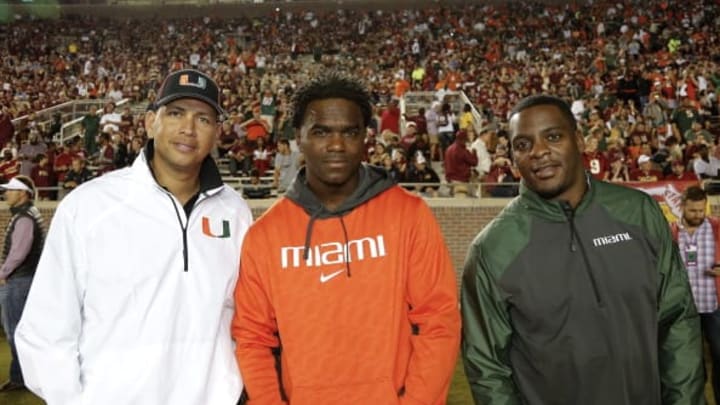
587,306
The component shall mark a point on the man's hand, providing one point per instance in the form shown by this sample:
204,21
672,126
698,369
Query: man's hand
714,271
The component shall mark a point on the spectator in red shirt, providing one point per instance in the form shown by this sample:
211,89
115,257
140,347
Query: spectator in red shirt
9,166
62,163
619,171
420,121
227,139
241,158
106,154
459,160
42,175
679,172
390,118
594,160
7,130
410,136
645,170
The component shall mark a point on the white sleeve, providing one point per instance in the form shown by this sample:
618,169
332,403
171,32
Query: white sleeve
484,161
48,334
699,167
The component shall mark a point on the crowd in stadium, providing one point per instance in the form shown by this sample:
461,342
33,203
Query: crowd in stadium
641,78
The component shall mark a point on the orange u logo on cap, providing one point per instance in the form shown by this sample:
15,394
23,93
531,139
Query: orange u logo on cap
185,81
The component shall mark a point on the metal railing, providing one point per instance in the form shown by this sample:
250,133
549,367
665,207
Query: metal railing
71,112
484,190
414,100
73,127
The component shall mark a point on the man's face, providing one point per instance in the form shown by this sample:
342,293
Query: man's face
694,212
184,131
546,149
332,137
15,197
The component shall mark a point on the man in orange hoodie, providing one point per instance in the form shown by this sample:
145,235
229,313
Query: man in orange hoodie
347,293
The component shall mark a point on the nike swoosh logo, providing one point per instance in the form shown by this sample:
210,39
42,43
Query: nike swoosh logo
325,279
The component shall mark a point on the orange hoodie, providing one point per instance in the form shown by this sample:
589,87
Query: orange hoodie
368,316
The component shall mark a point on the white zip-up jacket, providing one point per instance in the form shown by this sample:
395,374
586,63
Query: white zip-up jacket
132,300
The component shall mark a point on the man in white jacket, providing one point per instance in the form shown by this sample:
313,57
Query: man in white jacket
133,295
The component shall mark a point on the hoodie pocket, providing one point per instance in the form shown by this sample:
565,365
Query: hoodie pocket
371,393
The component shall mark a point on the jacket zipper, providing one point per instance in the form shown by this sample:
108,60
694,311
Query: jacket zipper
570,215
184,232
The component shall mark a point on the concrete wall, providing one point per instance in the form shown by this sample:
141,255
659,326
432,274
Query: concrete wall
460,219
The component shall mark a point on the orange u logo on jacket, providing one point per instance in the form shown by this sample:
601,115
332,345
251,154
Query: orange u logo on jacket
207,231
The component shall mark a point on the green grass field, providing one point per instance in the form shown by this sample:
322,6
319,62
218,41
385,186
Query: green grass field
459,391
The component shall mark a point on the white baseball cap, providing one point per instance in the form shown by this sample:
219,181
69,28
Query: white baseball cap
15,184
643,159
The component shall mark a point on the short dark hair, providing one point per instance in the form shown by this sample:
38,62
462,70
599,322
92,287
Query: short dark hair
283,141
331,85
694,193
545,99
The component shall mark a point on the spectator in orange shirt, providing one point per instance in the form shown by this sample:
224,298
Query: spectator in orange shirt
255,127
401,87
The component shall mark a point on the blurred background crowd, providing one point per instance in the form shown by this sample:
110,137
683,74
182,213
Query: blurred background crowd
641,76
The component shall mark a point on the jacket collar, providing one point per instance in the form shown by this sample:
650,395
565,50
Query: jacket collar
21,208
553,210
210,179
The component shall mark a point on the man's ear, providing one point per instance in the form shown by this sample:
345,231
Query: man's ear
150,117
580,140
218,129
298,139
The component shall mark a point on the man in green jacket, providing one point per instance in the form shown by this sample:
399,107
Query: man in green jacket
575,293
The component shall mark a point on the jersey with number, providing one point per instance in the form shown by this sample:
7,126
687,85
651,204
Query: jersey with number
597,164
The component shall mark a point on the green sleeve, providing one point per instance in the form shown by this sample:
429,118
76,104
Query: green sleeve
680,355
486,335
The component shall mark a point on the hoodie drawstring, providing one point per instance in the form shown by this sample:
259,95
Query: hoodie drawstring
308,237
347,251
308,234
